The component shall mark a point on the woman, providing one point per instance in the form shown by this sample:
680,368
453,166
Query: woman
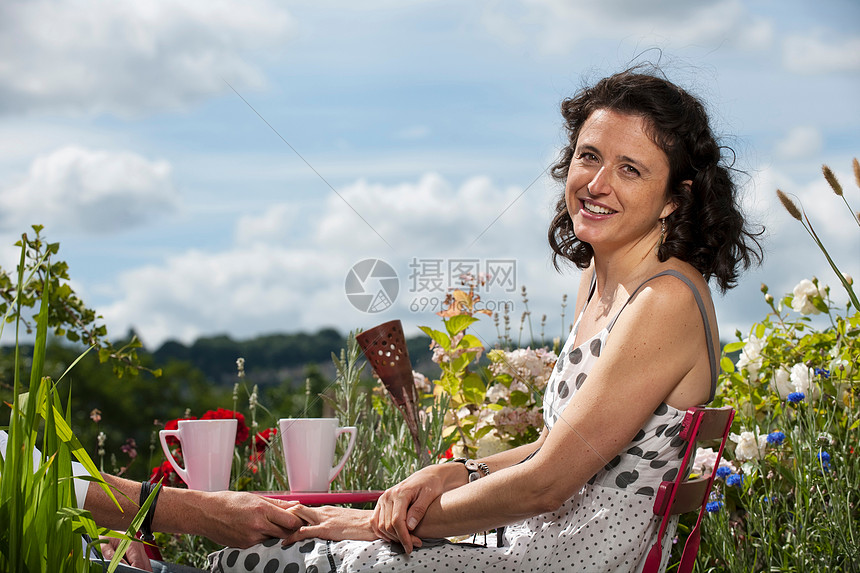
650,214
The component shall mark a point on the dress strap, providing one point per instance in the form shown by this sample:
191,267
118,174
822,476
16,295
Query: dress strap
709,339
591,290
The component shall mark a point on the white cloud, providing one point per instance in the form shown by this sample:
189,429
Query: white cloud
423,217
801,141
273,226
242,290
90,191
260,285
820,53
88,56
558,25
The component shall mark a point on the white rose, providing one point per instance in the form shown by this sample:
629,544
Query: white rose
801,379
704,462
750,357
781,381
803,293
748,446
705,458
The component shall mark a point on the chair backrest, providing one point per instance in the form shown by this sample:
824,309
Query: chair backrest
684,494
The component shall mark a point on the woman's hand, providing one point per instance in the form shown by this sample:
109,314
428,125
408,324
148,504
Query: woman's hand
333,523
402,507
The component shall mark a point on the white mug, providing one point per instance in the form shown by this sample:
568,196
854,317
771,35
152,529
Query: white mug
309,451
207,450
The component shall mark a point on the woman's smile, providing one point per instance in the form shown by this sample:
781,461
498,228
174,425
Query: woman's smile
596,209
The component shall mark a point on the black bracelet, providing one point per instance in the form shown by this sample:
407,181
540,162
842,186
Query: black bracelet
146,488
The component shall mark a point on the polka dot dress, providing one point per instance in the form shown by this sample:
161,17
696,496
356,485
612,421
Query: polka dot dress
607,526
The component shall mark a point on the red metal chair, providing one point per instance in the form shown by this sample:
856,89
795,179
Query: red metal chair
683,494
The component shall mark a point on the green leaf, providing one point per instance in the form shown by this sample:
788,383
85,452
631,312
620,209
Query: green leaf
483,432
733,346
459,323
473,389
727,365
438,337
471,341
450,383
519,399
759,330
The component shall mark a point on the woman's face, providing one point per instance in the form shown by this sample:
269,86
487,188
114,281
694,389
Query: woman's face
616,190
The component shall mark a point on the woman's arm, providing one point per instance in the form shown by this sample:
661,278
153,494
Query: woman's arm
402,507
657,343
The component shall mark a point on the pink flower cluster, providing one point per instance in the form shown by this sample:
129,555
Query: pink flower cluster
531,367
516,421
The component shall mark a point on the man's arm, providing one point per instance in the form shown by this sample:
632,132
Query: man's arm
236,519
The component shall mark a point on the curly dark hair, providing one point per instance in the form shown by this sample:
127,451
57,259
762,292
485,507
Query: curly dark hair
707,228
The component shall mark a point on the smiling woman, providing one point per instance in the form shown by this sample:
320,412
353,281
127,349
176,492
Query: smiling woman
651,115
651,215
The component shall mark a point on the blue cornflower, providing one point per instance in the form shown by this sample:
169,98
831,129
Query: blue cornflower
723,471
714,506
796,397
823,372
775,438
824,459
735,479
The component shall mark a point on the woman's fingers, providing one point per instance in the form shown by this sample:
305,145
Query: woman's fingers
398,523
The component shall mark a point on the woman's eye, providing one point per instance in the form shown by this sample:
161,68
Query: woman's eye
586,156
630,170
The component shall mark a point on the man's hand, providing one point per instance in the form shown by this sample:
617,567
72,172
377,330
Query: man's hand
242,519
134,556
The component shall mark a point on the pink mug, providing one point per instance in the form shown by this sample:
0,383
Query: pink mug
207,450
309,445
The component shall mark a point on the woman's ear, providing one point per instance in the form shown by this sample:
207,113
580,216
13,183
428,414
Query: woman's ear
672,203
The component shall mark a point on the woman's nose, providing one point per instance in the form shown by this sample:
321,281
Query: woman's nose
599,185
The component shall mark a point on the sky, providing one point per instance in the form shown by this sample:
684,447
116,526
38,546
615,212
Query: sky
252,167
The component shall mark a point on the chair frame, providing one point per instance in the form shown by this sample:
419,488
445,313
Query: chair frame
683,494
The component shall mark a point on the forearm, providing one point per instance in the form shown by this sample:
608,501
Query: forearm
105,511
499,499
177,510
454,475
508,458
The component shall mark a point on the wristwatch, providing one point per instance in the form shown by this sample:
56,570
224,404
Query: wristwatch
476,470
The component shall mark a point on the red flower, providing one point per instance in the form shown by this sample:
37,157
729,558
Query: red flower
222,414
166,471
174,425
449,454
263,439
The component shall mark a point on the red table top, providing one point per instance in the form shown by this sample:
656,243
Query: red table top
324,497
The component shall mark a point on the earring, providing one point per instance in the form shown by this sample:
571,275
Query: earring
662,232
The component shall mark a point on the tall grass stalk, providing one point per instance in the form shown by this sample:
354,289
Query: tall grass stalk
42,525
